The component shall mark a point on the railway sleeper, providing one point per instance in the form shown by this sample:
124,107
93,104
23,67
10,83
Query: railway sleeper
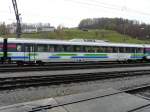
32,81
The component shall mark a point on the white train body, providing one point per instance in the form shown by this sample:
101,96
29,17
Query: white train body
45,50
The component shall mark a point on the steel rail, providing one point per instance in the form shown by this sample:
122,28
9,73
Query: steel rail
33,81
67,67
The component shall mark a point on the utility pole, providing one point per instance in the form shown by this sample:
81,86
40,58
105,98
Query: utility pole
18,30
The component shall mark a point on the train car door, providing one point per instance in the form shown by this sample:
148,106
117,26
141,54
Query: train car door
119,54
134,53
29,52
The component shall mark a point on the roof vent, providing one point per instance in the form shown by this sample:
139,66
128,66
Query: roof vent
88,40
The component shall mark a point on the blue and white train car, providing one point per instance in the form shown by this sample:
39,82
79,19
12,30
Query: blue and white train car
147,51
45,50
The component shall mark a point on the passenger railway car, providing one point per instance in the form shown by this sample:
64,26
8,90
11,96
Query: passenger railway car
147,52
45,50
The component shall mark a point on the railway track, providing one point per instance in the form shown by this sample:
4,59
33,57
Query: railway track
134,90
33,81
67,66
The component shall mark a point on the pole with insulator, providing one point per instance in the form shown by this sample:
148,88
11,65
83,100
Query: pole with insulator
18,29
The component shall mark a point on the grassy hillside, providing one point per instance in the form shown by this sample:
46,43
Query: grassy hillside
111,36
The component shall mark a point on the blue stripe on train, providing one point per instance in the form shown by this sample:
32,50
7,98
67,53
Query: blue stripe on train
136,57
19,57
53,57
89,57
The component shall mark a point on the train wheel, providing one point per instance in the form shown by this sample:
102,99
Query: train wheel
40,63
9,60
20,63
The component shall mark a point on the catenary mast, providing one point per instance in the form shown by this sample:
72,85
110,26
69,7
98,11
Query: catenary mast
5,57
18,30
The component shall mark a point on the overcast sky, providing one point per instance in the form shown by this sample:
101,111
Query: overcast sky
70,12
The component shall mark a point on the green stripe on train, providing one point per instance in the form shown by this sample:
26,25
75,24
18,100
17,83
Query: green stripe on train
9,54
64,54
137,54
95,54
31,54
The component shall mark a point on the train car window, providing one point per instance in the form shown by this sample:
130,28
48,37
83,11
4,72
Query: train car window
79,48
103,49
110,49
59,48
51,48
106,49
147,50
133,50
69,48
27,48
127,49
42,48
82,48
31,48
136,50
95,48
91,49
140,50
124,50
87,49
1,47
99,49
115,50
11,47
130,50
19,48
121,49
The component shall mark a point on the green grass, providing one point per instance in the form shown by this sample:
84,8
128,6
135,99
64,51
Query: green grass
109,35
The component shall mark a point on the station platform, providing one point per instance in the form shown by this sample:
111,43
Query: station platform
109,100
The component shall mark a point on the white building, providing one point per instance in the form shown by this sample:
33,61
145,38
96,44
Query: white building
29,30
12,29
47,29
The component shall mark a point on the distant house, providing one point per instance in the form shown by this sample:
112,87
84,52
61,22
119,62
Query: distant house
31,29
12,29
35,29
47,29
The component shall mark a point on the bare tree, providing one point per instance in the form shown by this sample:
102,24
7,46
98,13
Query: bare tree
60,31
3,29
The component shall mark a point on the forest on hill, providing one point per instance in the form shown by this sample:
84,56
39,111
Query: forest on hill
132,28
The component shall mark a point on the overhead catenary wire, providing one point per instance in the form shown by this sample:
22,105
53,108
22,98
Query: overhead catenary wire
111,7
103,3
97,6
92,4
